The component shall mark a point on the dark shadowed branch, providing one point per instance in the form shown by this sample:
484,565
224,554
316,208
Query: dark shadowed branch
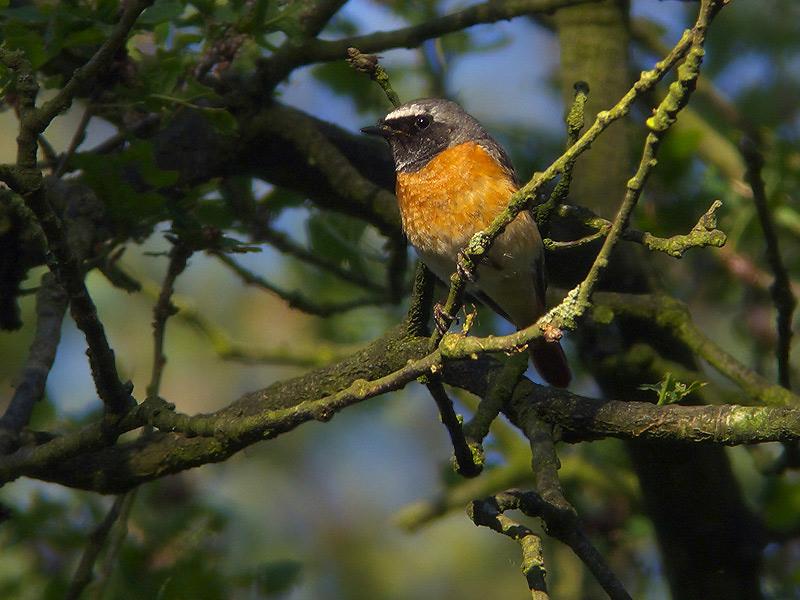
51,305
781,288
26,179
295,299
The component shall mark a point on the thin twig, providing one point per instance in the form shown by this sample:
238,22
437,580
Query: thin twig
97,538
118,535
702,235
691,41
295,299
781,288
467,463
285,244
163,309
575,123
50,154
77,139
369,64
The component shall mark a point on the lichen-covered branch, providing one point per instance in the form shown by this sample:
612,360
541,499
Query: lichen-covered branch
702,235
369,64
674,315
466,462
82,459
575,123
576,303
559,515
490,513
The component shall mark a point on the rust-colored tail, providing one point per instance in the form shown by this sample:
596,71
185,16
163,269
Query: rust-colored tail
551,363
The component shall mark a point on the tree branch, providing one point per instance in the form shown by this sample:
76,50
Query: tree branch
781,288
295,299
489,513
674,315
26,180
702,235
408,37
80,460
467,462
575,304
51,304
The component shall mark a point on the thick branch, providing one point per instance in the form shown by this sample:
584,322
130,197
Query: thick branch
388,364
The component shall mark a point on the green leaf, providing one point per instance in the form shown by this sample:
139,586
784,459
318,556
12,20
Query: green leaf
18,36
283,18
278,576
162,76
140,153
670,390
117,180
221,120
166,10
90,36
280,198
337,237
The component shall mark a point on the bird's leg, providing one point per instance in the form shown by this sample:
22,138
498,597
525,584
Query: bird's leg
441,319
551,333
465,267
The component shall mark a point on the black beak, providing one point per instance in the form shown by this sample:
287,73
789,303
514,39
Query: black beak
381,130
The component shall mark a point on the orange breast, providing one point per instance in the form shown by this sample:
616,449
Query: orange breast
455,195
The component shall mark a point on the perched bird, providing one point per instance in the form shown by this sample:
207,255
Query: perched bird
453,179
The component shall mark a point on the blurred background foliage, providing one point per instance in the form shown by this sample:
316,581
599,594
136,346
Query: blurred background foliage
349,509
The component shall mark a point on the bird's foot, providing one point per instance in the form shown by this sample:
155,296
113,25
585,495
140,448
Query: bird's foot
441,318
551,333
465,267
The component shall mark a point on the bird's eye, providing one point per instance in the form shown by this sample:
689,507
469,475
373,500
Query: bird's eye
422,122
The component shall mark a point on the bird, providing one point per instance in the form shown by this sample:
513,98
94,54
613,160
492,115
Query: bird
452,180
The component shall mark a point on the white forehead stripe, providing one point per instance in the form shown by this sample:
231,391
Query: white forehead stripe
413,110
